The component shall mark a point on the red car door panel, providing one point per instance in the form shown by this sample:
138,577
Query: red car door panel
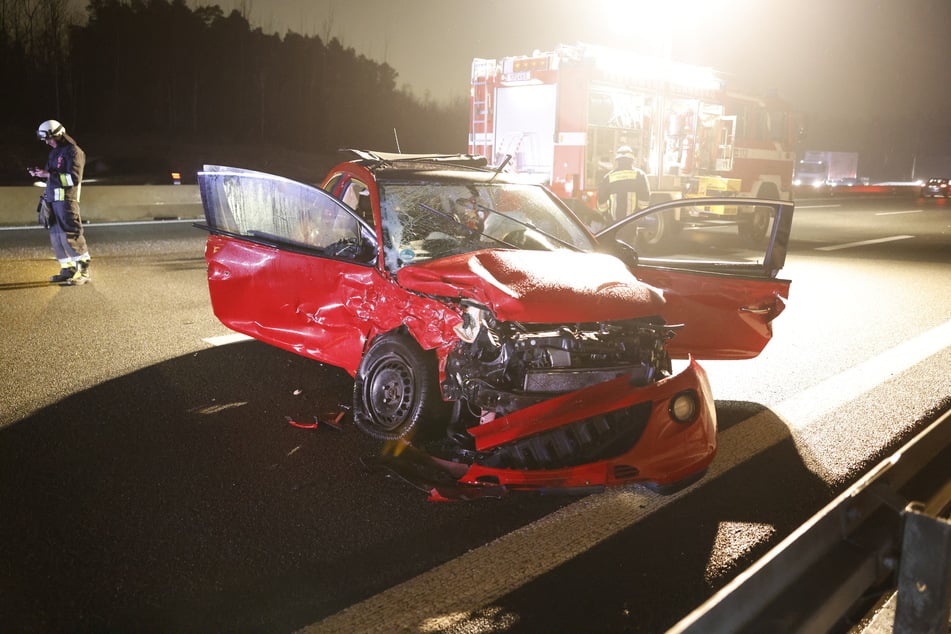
716,265
290,265
724,318
310,305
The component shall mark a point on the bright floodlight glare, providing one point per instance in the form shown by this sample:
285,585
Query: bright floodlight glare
657,23
619,63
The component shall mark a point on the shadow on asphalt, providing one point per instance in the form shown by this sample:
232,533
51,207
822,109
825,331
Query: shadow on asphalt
15,286
179,498
649,576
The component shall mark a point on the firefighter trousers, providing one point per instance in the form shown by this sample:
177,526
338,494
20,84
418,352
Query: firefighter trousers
66,232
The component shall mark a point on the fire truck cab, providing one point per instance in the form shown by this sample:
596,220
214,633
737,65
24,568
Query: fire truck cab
559,116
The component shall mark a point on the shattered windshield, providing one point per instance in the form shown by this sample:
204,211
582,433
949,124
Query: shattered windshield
426,221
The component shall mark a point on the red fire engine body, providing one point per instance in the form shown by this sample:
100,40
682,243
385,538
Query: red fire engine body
561,115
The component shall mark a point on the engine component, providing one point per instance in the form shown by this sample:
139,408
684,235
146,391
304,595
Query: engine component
508,366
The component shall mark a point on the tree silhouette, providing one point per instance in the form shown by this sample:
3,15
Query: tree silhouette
158,69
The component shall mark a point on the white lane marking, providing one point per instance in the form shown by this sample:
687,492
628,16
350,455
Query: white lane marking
798,206
27,228
525,554
123,223
899,213
224,340
863,243
807,406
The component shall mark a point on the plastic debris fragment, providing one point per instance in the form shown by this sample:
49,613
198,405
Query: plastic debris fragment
293,422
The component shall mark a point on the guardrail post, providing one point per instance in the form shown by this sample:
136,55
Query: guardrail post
924,574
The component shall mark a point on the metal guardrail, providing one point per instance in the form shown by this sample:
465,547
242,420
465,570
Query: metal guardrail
889,531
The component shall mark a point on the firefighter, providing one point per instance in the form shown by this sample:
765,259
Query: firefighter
624,189
64,174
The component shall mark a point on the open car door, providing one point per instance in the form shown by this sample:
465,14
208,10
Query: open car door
288,263
717,261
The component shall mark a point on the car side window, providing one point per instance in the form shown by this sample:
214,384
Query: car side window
283,213
354,193
334,230
717,235
322,226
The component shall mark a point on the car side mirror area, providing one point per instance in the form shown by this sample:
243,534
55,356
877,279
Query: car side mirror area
353,248
367,252
624,252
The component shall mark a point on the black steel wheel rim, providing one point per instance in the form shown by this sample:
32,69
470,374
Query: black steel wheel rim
389,393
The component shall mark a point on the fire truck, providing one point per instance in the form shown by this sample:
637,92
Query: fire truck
558,117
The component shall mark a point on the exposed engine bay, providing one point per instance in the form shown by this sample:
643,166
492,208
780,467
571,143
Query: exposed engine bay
506,366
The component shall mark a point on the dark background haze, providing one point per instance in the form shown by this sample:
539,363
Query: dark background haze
868,75
838,57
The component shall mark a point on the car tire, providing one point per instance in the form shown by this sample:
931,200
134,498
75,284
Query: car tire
752,227
396,389
657,230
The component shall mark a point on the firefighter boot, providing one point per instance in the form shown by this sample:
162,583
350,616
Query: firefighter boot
81,276
65,273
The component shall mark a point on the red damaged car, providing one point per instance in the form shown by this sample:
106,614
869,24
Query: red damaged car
505,345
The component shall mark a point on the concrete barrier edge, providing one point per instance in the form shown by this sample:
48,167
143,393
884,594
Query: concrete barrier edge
108,203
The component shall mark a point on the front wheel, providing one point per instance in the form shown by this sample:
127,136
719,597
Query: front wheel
396,389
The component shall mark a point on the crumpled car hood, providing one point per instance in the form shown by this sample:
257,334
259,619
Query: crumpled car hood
538,286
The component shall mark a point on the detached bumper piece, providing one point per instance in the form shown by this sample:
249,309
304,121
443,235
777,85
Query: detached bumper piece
609,434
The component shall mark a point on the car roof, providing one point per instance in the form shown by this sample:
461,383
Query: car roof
387,166
372,158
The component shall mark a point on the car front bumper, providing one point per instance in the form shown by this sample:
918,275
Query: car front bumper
662,451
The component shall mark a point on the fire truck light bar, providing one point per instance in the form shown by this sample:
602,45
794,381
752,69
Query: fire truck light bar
531,63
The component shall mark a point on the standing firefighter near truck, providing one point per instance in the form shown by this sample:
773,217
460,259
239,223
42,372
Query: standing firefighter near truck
64,175
624,189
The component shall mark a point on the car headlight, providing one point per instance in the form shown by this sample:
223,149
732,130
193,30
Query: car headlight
684,406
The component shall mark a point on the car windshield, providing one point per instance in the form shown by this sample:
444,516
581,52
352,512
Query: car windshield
425,221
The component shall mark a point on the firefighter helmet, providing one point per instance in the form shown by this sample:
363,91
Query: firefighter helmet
624,151
51,129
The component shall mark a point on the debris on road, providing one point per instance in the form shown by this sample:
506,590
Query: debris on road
331,420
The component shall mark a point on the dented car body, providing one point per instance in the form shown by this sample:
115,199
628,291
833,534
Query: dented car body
506,346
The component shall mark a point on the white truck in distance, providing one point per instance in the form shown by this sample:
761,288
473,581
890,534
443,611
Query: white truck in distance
821,168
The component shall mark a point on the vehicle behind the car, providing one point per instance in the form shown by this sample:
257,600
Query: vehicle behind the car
936,188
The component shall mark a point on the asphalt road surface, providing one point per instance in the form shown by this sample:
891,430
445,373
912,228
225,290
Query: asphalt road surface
157,474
